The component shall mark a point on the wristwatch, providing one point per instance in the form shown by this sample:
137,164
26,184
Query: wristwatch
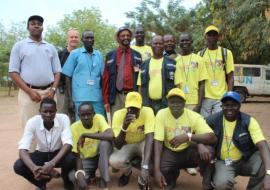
189,134
53,89
145,166
267,172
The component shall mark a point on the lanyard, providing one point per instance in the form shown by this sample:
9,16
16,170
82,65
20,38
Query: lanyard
186,72
47,145
91,63
226,139
213,63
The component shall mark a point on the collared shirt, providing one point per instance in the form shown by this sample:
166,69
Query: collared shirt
128,68
63,55
86,70
47,141
36,62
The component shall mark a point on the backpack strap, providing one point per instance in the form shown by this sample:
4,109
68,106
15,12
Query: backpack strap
202,52
224,57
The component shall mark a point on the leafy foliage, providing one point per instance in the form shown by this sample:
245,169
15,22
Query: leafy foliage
82,20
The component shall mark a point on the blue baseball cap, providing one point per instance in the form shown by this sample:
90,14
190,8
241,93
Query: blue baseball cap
231,95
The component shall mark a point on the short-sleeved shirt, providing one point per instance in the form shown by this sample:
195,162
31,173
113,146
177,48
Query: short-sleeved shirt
90,148
167,127
86,71
155,79
145,51
190,69
228,149
36,62
47,141
216,85
137,130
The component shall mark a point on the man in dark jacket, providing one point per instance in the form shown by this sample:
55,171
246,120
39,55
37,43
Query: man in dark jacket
241,149
120,72
156,77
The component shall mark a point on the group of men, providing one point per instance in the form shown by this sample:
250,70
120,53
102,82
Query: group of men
154,96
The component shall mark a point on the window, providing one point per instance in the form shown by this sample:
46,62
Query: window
267,74
252,71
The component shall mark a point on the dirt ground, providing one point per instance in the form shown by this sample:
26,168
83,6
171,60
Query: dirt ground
11,131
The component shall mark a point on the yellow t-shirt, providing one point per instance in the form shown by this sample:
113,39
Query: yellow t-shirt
190,70
145,51
216,85
90,148
137,130
155,79
167,127
227,143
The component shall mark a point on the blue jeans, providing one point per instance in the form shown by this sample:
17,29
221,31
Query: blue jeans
210,106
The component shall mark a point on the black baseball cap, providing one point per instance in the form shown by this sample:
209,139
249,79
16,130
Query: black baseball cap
121,29
35,17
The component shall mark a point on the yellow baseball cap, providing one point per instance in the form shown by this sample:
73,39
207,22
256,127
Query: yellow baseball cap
133,99
176,92
211,28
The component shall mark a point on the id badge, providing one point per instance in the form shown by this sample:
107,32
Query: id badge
136,68
177,132
186,89
228,161
214,82
90,82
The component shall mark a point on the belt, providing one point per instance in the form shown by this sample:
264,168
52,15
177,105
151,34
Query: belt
39,87
123,91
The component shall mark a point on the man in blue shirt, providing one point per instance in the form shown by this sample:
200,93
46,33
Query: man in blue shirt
83,70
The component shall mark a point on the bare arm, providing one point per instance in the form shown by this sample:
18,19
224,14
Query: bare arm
200,96
119,141
148,148
230,81
69,93
206,138
158,146
106,135
265,155
25,157
63,151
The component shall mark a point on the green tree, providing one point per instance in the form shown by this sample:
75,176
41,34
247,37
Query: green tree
245,28
173,19
82,20
8,37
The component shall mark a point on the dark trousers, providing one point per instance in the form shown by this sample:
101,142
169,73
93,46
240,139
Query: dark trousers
172,162
157,105
39,158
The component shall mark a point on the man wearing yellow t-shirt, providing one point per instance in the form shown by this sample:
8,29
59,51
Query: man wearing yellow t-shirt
156,77
90,152
241,149
191,68
220,67
176,127
144,50
133,128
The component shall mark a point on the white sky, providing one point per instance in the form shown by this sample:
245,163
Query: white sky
13,11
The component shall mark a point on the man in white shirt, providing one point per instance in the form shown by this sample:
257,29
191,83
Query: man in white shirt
54,141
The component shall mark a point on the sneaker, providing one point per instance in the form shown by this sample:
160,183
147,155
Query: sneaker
124,179
191,171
